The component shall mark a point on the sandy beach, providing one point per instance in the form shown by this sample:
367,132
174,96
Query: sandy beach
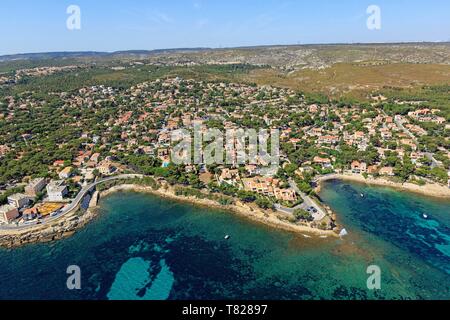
431,190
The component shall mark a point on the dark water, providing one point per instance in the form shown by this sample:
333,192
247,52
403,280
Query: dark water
143,247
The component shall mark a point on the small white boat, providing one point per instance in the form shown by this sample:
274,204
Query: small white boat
227,237
425,216
362,195
306,236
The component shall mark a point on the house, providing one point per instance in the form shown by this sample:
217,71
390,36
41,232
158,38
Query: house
359,135
8,213
387,171
57,190
372,169
325,162
105,167
229,176
35,186
385,133
416,156
93,161
359,167
163,153
285,194
58,163
19,200
328,139
65,173
251,169
269,187
30,214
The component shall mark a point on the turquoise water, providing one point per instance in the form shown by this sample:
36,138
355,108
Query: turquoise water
143,247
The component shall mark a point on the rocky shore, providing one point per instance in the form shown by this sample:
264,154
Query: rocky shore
252,212
62,228
69,224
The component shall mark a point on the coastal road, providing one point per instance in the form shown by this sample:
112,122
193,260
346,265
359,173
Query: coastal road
307,203
73,205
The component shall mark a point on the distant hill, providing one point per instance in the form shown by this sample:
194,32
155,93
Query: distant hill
289,57
91,54
51,55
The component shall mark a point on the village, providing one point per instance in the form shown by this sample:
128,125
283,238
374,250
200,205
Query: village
115,131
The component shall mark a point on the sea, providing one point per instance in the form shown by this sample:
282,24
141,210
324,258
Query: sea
141,247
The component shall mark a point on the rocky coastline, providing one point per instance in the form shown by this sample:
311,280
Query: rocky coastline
69,224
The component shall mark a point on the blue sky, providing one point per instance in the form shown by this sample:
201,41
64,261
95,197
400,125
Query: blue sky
40,25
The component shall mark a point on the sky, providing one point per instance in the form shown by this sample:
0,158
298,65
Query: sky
41,25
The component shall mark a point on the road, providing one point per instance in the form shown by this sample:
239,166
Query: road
307,203
74,203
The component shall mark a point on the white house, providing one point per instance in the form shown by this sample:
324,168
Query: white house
57,190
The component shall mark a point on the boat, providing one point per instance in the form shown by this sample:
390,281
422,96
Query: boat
343,233
306,236
425,216
362,195
227,237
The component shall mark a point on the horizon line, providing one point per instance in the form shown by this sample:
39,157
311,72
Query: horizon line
226,48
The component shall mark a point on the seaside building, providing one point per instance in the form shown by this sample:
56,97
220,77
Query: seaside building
18,200
30,214
387,171
57,190
229,176
105,167
359,167
269,187
324,162
8,213
35,186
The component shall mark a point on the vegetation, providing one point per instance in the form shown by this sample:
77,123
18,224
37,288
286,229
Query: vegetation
303,215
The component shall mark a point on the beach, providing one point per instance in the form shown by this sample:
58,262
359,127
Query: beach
429,189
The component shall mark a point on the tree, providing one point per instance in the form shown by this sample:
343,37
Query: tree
405,169
303,215
264,203
246,196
